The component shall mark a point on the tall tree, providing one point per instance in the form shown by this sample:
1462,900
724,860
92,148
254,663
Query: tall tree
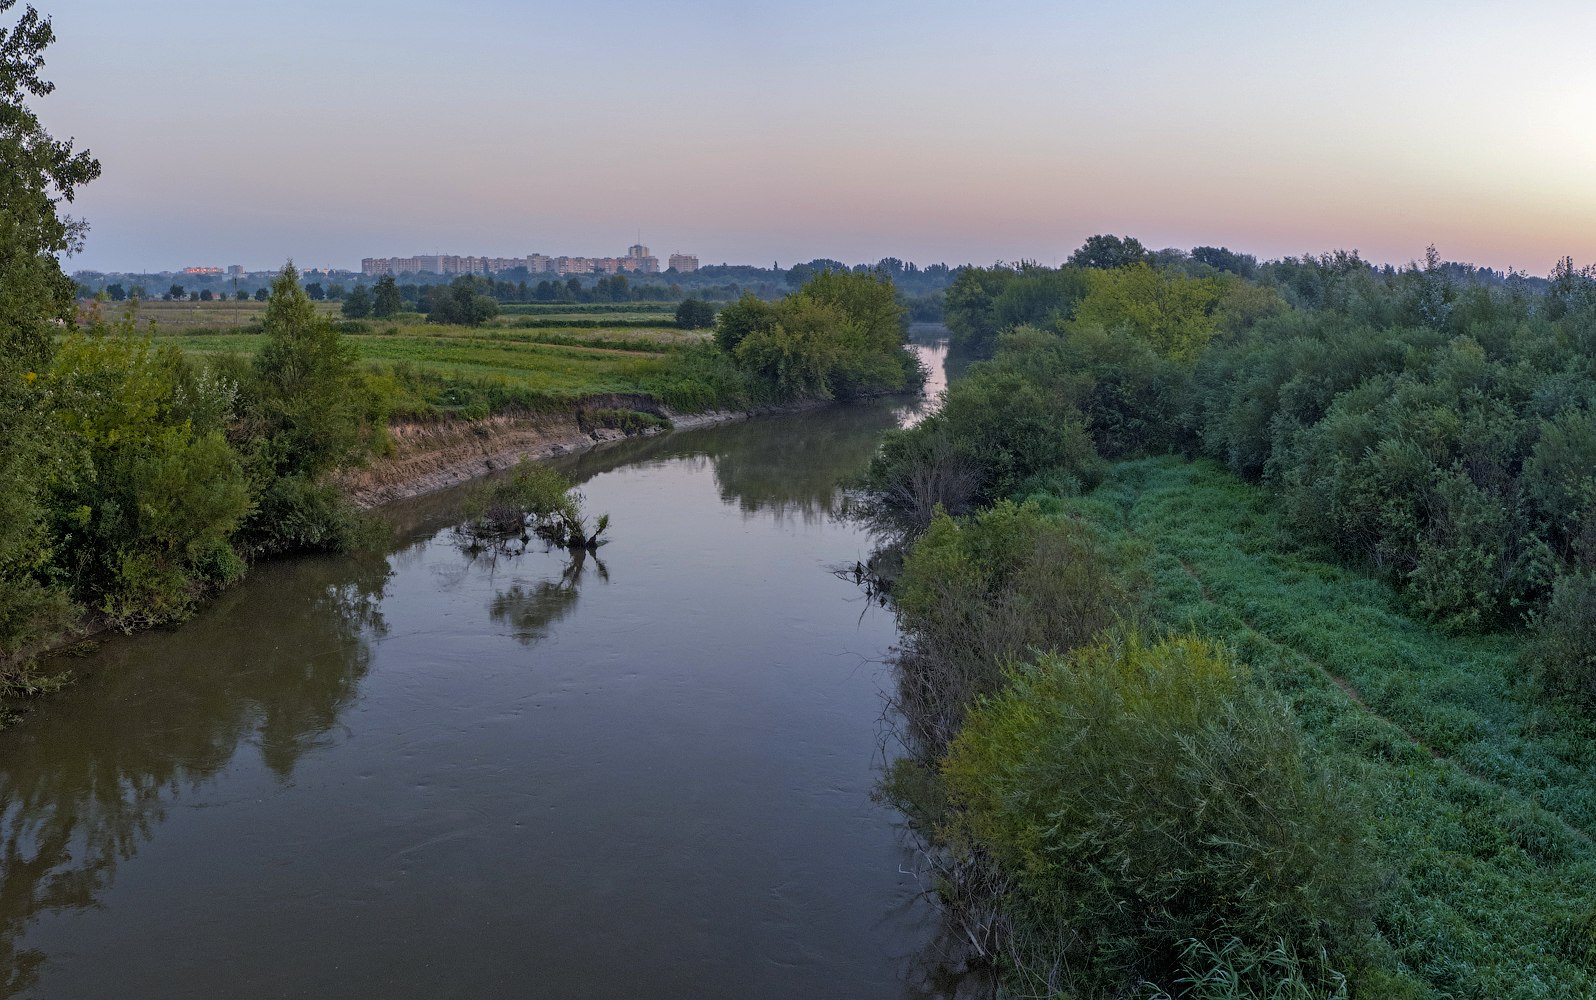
37,174
1109,252
308,401
385,298
358,304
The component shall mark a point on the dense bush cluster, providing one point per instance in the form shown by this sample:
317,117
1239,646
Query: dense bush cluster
1143,796
164,473
839,336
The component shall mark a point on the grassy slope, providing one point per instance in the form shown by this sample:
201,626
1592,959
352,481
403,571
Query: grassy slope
1482,795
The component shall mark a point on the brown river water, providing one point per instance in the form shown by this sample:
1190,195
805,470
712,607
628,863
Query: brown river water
426,774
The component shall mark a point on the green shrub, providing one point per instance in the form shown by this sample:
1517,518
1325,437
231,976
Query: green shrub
534,499
1234,970
1138,797
1563,646
977,595
297,514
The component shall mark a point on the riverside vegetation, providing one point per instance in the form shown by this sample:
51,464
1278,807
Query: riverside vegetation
1250,627
170,469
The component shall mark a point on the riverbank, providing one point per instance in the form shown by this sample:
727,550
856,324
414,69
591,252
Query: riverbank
432,455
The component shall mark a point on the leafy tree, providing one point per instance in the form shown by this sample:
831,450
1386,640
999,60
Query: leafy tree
116,292
1171,313
358,304
176,293
695,314
386,301
463,303
261,294
144,528
305,411
315,291
37,173
1223,259
747,315
1109,252
968,306
206,295
241,295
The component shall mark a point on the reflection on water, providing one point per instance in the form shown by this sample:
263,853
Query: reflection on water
89,777
530,609
341,779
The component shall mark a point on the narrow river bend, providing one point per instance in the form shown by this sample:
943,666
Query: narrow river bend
423,774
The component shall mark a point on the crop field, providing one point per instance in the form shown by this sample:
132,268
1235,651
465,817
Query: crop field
517,363
1482,795
174,317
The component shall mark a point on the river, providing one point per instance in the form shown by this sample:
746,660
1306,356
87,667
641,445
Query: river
644,773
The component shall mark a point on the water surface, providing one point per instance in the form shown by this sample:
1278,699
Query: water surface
644,773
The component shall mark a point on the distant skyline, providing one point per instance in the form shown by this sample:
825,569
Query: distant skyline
934,132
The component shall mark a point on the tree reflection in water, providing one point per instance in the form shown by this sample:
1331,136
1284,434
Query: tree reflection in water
85,782
529,611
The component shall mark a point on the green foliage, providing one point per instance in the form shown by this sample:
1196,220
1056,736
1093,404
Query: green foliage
984,302
307,412
974,596
1563,650
1235,970
386,302
305,406
1134,399
37,172
695,314
841,335
463,303
358,303
747,315
1140,796
1006,423
533,499
1172,314
143,527
1105,252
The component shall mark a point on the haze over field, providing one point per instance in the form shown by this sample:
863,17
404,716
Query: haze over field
746,133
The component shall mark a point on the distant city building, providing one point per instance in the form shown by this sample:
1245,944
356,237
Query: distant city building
202,270
235,270
637,261
683,263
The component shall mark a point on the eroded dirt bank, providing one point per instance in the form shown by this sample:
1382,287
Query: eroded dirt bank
432,455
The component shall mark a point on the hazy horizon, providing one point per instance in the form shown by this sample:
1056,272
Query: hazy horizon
930,132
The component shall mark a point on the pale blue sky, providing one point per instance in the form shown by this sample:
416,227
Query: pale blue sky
251,132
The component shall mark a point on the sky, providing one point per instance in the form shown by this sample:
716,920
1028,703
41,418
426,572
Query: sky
745,132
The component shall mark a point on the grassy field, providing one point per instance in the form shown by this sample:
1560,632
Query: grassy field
453,367
175,317
1482,796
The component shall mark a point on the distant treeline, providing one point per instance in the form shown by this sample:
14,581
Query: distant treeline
717,282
